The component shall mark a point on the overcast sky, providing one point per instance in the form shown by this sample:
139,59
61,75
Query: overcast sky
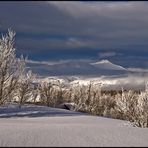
74,30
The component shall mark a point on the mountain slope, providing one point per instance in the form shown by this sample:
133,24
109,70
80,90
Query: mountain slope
105,64
103,67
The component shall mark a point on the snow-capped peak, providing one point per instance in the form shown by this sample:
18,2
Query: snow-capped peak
105,64
101,62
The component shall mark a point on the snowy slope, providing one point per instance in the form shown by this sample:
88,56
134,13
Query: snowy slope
105,64
57,127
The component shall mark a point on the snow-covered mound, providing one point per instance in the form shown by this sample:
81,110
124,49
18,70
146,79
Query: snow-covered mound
45,126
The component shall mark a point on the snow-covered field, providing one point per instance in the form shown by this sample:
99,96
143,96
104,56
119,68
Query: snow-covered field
44,126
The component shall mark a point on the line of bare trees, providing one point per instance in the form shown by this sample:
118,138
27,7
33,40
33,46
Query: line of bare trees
18,84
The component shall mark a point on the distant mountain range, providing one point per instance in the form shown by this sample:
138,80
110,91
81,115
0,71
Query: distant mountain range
83,68
109,75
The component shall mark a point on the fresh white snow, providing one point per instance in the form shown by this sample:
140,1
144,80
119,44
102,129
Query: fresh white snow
44,126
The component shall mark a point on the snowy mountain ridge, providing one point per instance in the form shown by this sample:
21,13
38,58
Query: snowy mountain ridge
79,68
105,64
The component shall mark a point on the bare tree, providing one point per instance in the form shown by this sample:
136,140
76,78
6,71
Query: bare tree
13,80
25,84
35,93
46,93
8,67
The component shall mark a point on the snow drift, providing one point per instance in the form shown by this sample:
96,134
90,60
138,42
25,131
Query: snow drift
59,127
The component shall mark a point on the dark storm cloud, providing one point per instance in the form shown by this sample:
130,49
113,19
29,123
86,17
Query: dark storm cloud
48,30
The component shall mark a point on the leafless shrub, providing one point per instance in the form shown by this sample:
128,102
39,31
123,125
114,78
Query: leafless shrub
126,105
25,89
132,107
47,93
